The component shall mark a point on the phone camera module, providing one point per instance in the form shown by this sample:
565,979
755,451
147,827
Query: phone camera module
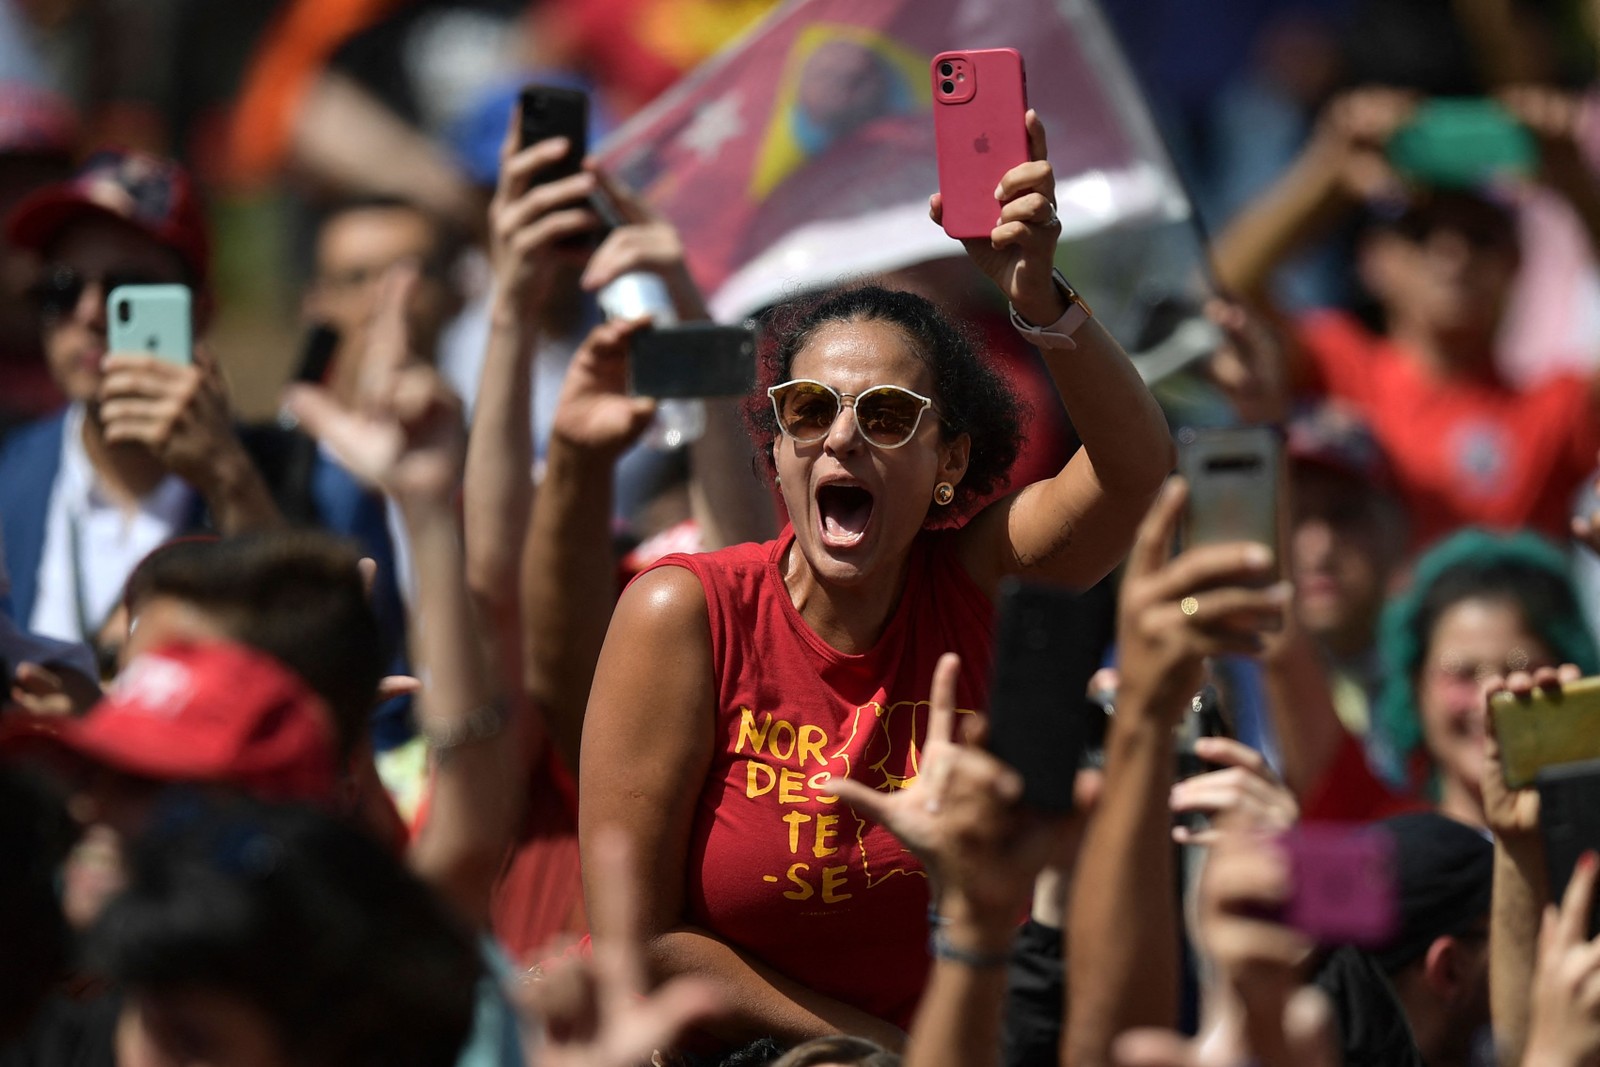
124,311
947,87
945,70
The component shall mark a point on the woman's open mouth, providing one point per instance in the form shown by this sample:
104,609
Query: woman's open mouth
843,512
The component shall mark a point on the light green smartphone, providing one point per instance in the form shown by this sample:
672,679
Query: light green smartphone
1462,144
1546,728
154,320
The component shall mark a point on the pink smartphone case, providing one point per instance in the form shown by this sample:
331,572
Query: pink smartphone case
979,139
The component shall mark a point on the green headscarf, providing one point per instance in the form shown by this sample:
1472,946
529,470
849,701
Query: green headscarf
1403,646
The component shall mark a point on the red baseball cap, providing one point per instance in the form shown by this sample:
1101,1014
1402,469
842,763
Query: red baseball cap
154,194
213,713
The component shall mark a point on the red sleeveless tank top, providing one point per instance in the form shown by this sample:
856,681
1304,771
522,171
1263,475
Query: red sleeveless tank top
778,866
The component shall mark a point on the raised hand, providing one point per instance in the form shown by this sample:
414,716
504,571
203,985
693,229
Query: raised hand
960,815
1174,613
1353,133
180,414
1552,115
404,433
1513,814
1565,1021
598,1011
1245,793
1020,252
529,221
647,242
1249,366
595,411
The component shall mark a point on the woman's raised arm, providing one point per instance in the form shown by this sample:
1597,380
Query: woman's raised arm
1074,528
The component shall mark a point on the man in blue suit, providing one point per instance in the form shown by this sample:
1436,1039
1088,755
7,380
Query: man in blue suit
145,450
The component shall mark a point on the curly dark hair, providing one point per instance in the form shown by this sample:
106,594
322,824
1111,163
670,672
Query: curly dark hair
974,397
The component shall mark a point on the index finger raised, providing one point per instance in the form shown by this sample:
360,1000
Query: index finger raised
1154,540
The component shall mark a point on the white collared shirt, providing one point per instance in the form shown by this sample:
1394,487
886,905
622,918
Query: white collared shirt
91,544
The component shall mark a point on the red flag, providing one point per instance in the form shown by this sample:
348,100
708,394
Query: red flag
804,153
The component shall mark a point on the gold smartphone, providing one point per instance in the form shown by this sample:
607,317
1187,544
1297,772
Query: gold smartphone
1546,728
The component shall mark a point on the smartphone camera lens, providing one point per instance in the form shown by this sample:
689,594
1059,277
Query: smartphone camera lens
124,311
947,87
945,70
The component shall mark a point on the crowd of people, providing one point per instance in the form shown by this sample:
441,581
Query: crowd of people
450,718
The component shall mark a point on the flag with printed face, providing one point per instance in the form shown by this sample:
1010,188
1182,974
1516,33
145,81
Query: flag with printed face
803,155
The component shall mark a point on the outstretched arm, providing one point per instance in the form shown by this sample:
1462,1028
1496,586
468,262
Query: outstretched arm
730,503
982,851
1520,888
1073,528
404,436
1122,922
528,220
569,574
1341,165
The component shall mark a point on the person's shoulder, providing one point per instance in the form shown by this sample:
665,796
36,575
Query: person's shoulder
36,433
670,592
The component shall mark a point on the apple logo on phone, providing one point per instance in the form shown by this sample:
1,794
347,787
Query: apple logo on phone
981,143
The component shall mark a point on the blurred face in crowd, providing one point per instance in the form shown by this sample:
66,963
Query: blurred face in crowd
354,250
91,251
856,507
1343,545
1471,639
190,1026
1448,271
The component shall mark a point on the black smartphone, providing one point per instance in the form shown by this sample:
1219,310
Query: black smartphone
316,353
693,359
1039,709
1569,820
549,111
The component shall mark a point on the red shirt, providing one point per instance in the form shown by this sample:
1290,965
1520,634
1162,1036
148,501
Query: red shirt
777,866
1349,792
539,895
1463,452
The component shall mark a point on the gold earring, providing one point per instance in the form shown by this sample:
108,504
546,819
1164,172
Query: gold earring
943,493
777,479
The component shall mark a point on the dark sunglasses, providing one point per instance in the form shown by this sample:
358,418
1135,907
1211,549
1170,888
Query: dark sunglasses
57,293
887,415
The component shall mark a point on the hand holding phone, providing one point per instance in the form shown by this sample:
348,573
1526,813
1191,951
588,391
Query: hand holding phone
980,103
693,359
1545,728
153,320
1235,477
547,111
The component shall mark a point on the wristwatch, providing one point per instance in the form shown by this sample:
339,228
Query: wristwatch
1059,333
